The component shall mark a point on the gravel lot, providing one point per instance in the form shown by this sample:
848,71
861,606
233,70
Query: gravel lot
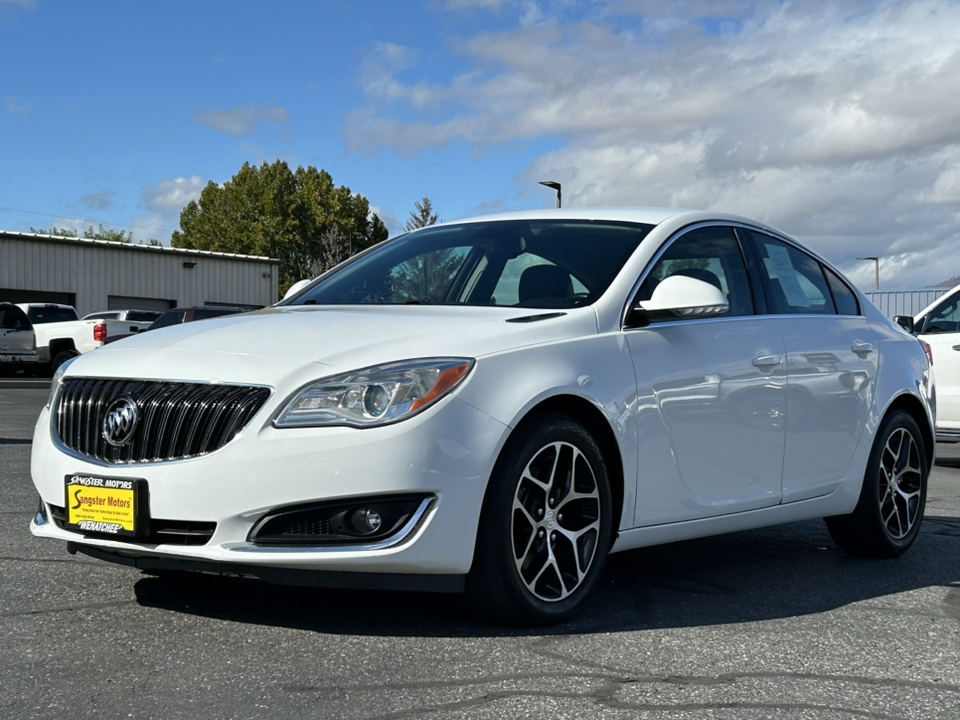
772,623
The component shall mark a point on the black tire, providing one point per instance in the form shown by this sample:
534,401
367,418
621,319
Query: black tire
60,358
532,565
887,518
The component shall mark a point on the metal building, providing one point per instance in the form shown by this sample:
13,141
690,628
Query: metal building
904,302
95,275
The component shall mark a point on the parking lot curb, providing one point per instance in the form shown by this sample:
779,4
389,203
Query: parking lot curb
24,383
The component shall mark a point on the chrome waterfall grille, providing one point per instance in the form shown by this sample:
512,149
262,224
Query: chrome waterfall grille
139,421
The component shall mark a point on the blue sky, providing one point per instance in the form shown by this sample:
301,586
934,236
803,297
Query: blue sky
835,121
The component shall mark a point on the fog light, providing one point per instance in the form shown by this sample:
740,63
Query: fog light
365,520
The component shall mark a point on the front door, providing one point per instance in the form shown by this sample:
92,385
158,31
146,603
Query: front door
711,393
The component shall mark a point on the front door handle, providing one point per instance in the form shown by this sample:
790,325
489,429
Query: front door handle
956,347
766,360
862,347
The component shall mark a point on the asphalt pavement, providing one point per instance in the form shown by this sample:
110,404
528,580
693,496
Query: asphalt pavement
773,623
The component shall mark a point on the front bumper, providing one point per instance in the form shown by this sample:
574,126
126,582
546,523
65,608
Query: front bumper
445,454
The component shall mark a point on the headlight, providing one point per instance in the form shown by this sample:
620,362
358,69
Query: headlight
57,379
375,395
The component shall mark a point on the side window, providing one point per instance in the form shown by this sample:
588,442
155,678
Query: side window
793,281
843,296
168,318
945,318
710,254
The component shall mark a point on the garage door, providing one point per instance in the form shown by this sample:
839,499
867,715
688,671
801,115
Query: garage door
123,302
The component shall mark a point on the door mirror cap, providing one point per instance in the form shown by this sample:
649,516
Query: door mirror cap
904,321
685,297
297,287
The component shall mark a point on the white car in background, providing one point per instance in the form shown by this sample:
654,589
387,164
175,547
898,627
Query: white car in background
494,405
938,325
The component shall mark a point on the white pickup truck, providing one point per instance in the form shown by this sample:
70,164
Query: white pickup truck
61,335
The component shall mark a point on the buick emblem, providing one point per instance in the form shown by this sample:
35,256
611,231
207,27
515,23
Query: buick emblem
120,422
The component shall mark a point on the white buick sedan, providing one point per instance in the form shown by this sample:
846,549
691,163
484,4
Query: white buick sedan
494,405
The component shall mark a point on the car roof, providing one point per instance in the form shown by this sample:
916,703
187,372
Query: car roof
646,215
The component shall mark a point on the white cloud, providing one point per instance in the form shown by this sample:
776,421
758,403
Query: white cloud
836,121
17,108
163,203
174,194
240,120
473,4
98,201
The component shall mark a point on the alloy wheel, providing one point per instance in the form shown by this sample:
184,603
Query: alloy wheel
555,521
900,484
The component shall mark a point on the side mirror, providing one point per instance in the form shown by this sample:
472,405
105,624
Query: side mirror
297,287
685,297
904,321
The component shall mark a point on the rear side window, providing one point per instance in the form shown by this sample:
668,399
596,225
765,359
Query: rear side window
843,296
793,281
13,318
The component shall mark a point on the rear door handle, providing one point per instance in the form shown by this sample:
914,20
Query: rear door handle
956,347
862,347
765,360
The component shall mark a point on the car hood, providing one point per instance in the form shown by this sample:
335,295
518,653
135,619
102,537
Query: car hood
267,344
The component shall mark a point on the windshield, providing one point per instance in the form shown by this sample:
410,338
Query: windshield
531,264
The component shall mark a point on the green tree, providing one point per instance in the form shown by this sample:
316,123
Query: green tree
101,233
270,210
426,278
423,217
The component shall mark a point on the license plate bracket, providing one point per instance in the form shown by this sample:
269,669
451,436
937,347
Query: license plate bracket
106,505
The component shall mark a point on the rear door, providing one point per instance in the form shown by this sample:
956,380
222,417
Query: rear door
831,364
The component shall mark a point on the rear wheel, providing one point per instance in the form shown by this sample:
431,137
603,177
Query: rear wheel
887,518
545,527
60,358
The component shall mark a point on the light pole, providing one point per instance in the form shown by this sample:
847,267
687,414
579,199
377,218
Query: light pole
876,262
554,186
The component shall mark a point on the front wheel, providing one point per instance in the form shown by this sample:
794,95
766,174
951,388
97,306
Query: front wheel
887,518
545,527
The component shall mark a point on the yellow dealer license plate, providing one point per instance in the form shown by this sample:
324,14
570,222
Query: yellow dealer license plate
115,506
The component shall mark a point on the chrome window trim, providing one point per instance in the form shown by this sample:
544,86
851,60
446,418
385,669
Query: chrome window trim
729,224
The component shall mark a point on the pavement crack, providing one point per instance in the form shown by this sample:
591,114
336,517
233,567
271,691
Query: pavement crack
73,608
67,560
703,680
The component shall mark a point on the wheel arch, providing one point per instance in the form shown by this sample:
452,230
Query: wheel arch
61,344
596,423
914,407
